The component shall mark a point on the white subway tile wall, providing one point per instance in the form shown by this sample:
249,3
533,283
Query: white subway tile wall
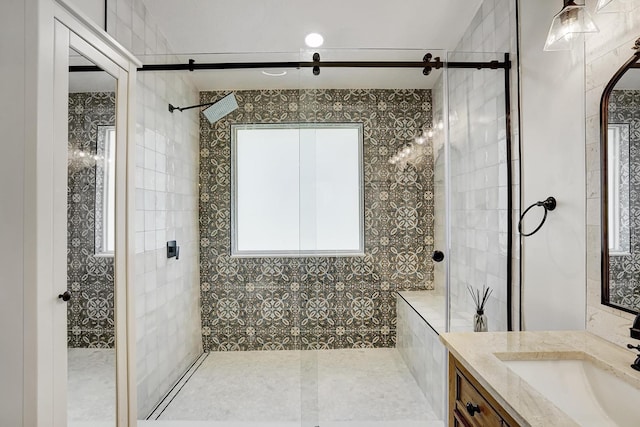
424,354
167,161
478,168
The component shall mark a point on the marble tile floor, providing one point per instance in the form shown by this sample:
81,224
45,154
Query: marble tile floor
326,388
91,387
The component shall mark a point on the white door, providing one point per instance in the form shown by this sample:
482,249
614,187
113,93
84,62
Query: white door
93,357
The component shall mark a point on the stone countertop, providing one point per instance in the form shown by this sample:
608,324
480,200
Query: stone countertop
482,355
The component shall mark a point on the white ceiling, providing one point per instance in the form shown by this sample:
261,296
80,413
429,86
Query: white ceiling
255,29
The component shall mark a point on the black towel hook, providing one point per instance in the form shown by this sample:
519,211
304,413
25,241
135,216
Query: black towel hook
548,204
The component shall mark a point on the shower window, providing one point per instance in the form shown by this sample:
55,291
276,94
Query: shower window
105,191
297,190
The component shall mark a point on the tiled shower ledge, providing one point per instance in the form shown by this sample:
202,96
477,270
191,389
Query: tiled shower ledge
431,307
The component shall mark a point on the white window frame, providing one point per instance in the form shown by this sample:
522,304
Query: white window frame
616,143
360,251
105,196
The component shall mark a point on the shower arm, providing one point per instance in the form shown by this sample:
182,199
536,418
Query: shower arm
172,108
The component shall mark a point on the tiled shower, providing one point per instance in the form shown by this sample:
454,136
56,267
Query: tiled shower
212,302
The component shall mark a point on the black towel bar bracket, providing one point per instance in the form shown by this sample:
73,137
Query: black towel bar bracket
548,204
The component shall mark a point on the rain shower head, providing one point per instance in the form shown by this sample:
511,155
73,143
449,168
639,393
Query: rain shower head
221,108
215,110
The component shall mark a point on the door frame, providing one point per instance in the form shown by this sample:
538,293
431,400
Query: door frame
73,30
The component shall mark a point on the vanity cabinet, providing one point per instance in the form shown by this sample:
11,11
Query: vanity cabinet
470,405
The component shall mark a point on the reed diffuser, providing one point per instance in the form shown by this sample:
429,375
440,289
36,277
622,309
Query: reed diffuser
480,299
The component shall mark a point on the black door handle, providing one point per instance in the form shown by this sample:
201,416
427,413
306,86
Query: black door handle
438,256
66,296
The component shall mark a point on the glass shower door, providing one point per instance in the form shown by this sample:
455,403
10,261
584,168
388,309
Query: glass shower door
478,176
348,293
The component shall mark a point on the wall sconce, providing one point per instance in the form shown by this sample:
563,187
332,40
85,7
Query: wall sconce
567,25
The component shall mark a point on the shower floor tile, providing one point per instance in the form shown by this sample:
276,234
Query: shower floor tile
330,388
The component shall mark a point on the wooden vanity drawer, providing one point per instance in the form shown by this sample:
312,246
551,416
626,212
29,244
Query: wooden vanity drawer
466,394
463,390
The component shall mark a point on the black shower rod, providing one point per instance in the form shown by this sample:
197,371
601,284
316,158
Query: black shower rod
427,64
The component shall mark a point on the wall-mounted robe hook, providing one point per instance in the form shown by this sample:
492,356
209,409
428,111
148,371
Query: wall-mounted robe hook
548,204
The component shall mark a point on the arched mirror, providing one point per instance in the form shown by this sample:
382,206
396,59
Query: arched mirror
620,187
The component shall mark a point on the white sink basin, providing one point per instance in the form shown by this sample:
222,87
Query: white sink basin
585,392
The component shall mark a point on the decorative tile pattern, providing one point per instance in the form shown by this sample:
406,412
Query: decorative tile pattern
624,287
90,311
318,302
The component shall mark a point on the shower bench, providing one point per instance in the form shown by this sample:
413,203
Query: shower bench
421,319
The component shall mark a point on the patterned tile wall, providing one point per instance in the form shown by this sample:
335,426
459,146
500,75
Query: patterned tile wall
623,273
89,277
321,302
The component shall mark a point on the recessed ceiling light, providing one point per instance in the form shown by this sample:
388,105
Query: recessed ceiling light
314,40
274,74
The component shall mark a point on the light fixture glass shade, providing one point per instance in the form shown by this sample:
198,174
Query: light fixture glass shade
601,4
612,6
567,26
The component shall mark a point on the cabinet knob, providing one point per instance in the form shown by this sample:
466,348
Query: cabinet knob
472,409
438,256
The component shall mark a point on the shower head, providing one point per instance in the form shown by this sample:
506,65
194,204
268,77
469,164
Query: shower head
221,108
215,110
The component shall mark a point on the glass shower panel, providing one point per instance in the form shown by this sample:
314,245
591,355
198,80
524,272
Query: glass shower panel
329,322
349,296
250,370
268,101
478,191
440,255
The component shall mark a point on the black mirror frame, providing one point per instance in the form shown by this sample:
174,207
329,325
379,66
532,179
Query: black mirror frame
632,62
